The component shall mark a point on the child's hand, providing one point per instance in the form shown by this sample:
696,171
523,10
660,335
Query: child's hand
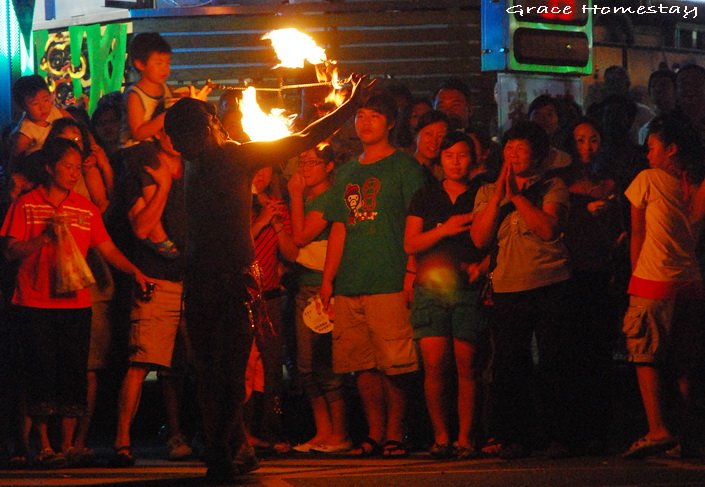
296,185
161,175
89,163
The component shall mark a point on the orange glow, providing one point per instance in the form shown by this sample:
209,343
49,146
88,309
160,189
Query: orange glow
259,125
294,47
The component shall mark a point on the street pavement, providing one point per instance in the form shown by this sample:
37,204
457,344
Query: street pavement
417,470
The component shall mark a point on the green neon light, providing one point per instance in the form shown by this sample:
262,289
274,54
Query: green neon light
106,48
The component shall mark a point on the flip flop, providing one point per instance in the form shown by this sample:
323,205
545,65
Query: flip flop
366,449
394,449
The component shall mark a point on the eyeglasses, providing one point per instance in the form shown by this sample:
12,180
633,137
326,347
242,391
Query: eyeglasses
309,163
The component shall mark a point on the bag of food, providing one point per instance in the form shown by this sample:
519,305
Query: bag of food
72,271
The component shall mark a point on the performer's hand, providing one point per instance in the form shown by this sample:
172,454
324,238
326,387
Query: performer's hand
360,90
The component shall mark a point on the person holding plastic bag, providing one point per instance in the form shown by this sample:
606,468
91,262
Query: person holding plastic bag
49,230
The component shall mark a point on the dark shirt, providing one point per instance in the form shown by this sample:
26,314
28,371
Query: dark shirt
433,205
173,217
219,196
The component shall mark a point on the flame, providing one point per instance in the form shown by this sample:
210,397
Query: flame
336,95
294,47
259,125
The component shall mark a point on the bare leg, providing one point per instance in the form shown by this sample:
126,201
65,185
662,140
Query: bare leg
464,361
339,432
370,385
649,380
130,394
322,419
85,421
42,429
435,352
395,400
68,429
170,392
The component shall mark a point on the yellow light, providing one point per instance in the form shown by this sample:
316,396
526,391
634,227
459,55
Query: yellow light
294,47
259,125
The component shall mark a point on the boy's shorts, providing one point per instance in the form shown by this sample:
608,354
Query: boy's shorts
664,330
372,331
155,323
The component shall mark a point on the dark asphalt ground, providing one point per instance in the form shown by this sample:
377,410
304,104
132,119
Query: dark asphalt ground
417,470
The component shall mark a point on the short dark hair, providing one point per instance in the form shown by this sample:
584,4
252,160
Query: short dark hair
534,134
383,103
146,43
62,124
455,136
455,84
690,67
27,86
187,123
662,73
430,117
54,150
676,128
544,101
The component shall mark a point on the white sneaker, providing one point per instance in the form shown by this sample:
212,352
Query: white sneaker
178,448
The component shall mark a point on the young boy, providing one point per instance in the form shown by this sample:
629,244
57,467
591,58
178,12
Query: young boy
146,102
366,258
32,94
663,326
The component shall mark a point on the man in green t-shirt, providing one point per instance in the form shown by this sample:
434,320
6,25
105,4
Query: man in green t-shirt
366,258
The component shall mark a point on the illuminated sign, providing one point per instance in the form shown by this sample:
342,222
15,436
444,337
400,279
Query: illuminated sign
553,36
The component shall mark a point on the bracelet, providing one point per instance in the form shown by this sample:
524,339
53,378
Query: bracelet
409,271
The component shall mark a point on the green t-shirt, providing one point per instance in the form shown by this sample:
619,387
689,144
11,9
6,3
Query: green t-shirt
311,277
371,200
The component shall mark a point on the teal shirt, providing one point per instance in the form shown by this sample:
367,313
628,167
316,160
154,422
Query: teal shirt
371,200
310,277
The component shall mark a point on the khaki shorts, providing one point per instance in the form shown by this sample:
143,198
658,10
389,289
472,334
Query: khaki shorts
664,330
372,331
154,325
101,306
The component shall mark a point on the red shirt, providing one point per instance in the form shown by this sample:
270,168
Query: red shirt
27,219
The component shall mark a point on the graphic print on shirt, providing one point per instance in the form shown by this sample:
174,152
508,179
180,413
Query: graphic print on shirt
362,203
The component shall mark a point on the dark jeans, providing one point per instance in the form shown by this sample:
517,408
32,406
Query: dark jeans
515,318
218,323
55,351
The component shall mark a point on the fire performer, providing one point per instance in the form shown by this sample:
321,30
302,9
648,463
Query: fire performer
223,289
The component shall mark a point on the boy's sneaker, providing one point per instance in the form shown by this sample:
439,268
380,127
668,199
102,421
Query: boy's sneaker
178,448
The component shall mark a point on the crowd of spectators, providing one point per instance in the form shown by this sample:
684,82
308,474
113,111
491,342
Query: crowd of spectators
513,276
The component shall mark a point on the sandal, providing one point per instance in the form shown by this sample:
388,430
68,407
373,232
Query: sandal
492,447
394,449
466,452
123,457
49,459
367,448
80,457
442,451
166,248
18,462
